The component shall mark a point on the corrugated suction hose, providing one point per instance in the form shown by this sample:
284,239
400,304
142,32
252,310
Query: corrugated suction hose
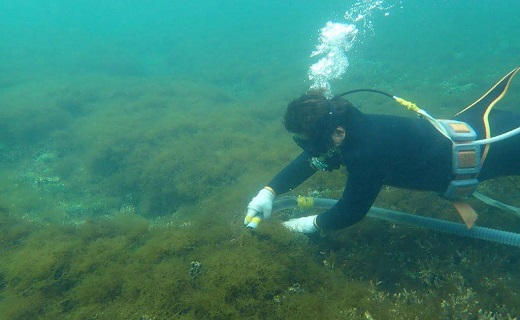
459,229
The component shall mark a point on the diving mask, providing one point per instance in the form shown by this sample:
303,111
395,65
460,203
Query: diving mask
323,159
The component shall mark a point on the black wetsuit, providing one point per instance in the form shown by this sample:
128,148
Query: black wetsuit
405,152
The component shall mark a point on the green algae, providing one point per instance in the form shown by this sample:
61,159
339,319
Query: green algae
122,267
148,186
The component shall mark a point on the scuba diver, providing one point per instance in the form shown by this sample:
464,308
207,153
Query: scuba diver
420,153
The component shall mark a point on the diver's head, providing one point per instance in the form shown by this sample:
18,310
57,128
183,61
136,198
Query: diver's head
317,122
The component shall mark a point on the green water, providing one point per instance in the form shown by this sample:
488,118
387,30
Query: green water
133,135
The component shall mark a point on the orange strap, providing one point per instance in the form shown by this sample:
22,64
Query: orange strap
466,213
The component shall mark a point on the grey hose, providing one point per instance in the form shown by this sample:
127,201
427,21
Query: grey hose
460,229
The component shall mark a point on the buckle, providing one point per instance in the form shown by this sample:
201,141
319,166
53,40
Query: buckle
465,159
460,189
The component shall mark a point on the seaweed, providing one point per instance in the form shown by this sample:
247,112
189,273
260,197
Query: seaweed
136,210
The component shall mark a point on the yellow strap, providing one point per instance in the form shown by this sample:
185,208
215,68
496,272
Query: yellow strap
256,220
305,202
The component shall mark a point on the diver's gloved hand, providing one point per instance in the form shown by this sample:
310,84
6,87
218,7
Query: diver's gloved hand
259,208
302,225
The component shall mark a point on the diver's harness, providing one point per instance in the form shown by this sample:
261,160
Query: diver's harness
466,164
466,161
466,154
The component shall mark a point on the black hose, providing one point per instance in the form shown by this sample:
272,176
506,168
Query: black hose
366,90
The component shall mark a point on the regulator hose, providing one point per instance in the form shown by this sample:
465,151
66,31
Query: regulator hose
366,90
459,229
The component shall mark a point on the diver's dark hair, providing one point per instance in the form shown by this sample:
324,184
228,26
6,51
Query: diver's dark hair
313,115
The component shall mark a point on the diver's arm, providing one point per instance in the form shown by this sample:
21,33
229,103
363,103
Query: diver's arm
360,192
291,176
294,174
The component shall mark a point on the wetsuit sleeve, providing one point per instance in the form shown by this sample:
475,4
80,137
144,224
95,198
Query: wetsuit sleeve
294,174
360,193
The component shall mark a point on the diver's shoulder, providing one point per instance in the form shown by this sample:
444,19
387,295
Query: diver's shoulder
389,120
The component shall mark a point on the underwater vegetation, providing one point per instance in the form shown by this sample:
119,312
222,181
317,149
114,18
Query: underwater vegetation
125,267
123,198
134,133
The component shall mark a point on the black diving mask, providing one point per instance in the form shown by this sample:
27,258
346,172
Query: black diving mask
313,147
324,158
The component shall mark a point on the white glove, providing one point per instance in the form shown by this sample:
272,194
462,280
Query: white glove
303,225
259,208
